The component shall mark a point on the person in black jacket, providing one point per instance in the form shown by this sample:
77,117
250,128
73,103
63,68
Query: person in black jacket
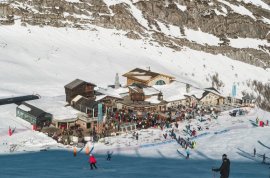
224,168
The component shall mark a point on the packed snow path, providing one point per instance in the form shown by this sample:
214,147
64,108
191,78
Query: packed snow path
63,164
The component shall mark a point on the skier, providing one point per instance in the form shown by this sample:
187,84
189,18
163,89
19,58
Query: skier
254,152
187,151
178,140
137,136
9,131
74,151
165,135
224,168
87,150
263,159
193,133
109,155
257,120
92,161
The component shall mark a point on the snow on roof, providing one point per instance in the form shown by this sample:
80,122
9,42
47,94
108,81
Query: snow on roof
177,91
143,75
77,98
100,97
145,78
109,91
153,100
56,106
121,90
150,91
133,88
25,108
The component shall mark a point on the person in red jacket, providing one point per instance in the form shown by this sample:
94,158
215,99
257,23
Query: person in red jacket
92,161
9,131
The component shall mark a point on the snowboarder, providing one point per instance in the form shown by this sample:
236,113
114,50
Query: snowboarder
109,155
254,152
92,161
263,161
224,168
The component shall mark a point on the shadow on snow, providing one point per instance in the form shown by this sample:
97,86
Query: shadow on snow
58,164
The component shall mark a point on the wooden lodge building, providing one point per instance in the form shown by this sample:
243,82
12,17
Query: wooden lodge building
248,100
85,105
211,96
79,87
147,77
37,117
142,98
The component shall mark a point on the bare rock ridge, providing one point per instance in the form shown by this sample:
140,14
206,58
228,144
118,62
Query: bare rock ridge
146,19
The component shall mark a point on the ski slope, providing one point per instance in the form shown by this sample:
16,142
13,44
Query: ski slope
235,136
63,164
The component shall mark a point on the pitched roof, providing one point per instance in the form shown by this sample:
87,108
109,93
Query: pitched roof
32,110
248,97
143,75
211,90
87,102
76,83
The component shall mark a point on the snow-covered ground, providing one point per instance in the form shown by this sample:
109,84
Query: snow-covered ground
235,136
43,60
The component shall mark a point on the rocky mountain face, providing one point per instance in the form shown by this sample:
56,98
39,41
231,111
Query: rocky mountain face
144,19
238,29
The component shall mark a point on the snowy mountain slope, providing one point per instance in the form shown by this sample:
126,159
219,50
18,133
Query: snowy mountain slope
203,25
48,58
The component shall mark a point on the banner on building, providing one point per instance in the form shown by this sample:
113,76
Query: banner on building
233,90
100,114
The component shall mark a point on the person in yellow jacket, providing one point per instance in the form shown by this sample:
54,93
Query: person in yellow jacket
87,150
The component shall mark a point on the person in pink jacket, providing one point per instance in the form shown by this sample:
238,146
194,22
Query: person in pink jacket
92,161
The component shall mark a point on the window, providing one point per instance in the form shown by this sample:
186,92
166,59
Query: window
160,82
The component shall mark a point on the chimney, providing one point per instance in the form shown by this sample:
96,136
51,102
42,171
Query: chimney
116,83
187,88
160,96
